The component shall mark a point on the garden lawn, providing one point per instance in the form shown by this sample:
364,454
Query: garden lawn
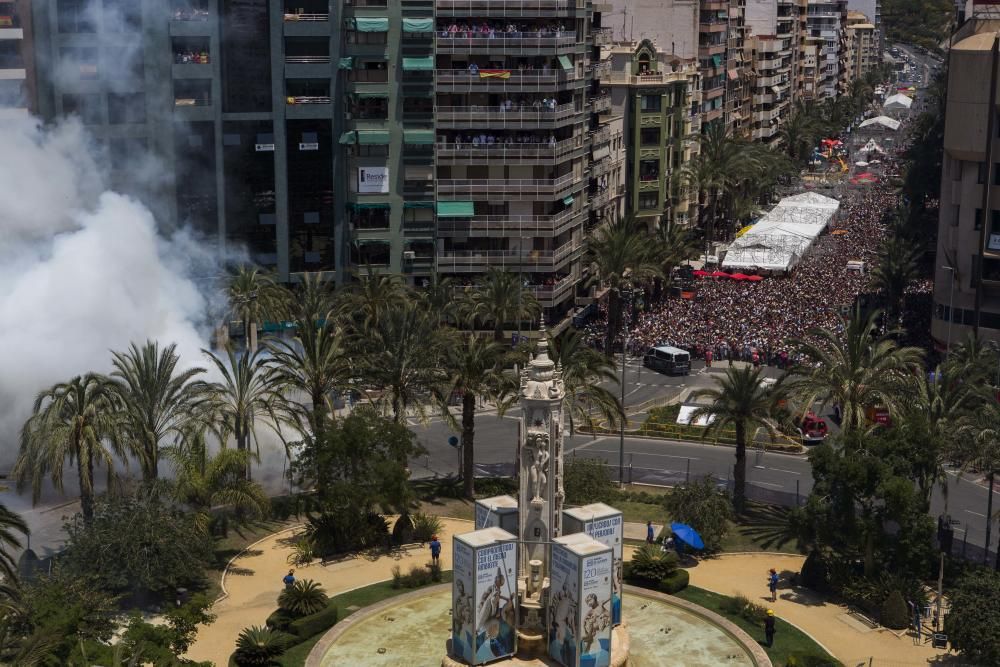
361,598
787,638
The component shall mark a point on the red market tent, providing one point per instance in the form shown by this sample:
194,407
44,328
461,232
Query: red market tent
698,273
755,279
739,276
720,274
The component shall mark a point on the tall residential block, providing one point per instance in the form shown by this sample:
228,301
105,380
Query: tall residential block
873,10
968,253
826,21
17,77
776,30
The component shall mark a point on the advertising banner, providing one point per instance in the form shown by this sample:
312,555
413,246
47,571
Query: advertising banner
462,605
373,180
604,524
564,596
595,610
496,596
497,512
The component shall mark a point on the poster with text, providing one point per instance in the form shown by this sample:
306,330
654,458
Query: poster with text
595,610
608,531
496,601
463,616
373,180
564,596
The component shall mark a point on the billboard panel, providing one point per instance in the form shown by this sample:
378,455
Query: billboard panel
564,596
496,595
604,524
463,616
595,611
497,512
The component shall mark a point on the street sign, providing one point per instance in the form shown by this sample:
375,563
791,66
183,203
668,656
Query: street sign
453,441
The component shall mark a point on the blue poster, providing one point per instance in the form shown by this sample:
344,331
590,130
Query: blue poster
462,606
496,601
563,603
608,531
595,610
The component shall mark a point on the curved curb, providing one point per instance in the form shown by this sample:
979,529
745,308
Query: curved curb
751,645
243,551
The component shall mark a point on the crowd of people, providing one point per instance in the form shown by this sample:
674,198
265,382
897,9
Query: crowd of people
494,29
723,319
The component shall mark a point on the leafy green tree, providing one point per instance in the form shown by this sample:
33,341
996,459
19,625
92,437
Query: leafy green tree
979,448
973,621
584,369
137,544
742,402
75,421
896,269
202,482
704,507
857,370
253,296
157,401
620,255
799,132
501,299
587,481
474,370
303,598
259,647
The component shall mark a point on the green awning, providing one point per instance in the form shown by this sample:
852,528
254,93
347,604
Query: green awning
370,94
366,24
565,63
373,137
349,137
347,62
418,25
423,64
418,137
455,209
418,204
367,206
568,200
717,61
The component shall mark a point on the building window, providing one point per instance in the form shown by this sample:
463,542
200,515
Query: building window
649,170
651,103
356,37
122,16
78,63
75,16
977,220
649,201
87,107
127,108
649,136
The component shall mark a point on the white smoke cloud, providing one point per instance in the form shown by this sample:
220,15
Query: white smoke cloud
82,271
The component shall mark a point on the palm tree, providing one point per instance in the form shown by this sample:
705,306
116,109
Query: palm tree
10,523
401,355
857,370
157,402
798,133
584,369
74,421
620,254
203,482
674,246
370,297
312,299
740,401
259,646
501,299
315,363
253,297
896,269
979,449
474,369
440,297
303,598
248,391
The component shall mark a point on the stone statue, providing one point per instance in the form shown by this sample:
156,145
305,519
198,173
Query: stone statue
539,465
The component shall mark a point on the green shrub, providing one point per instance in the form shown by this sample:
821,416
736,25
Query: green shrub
814,573
347,529
675,582
397,577
895,615
279,619
303,598
741,605
495,486
435,570
308,626
425,526
702,506
417,576
588,481
283,507
259,647
304,551
799,659
651,564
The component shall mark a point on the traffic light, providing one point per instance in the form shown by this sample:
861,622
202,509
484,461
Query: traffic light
945,533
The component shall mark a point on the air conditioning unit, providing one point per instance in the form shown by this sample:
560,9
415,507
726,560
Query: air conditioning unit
409,255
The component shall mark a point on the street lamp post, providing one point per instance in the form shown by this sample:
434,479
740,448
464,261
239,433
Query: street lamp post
951,304
621,431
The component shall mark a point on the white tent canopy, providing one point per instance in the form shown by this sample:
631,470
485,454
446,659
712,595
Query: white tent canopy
881,121
782,237
872,147
898,101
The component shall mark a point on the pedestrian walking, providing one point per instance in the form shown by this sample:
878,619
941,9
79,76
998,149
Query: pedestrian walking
772,584
435,550
289,579
769,628
650,535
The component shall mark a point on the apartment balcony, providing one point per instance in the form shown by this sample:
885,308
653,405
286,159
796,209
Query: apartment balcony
714,114
600,198
715,6
713,93
505,226
295,17
601,70
522,187
649,78
518,43
768,81
709,27
765,133
709,50
605,166
767,115
512,8
600,136
540,153
600,104
602,36
506,80
493,117
552,293
307,60
478,261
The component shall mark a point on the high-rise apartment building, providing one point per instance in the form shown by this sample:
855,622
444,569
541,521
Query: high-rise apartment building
739,73
776,31
656,94
17,78
862,55
967,274
873,10
826,20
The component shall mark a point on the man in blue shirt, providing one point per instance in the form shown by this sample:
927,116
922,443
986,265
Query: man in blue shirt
650,537
289,579
435,550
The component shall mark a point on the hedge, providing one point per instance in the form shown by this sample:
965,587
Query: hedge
279,620
307,626
677,581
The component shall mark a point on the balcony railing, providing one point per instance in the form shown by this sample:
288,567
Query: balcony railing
307,99
455,260
600,136
504,40
192,102
511,225
515,5
506,151
601,70
307,17
493,114
523,186
505,77
602,36
307,60
601,103
549,292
